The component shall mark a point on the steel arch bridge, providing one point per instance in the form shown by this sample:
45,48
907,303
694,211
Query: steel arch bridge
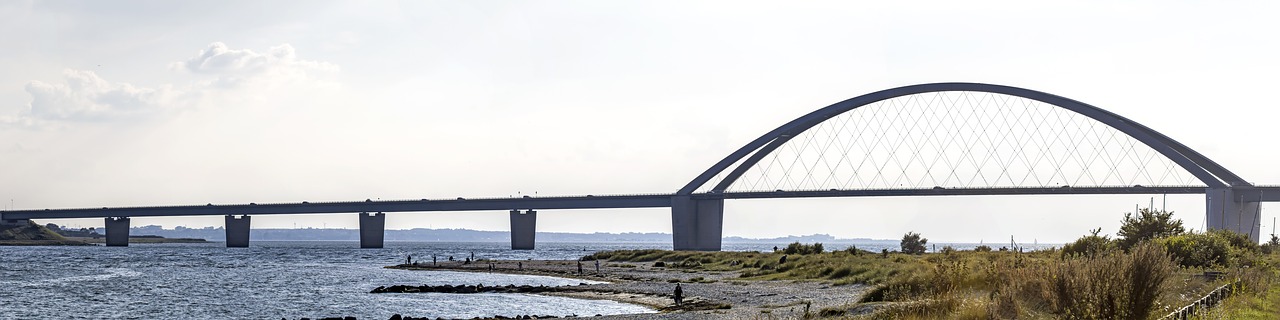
1232,202
918,140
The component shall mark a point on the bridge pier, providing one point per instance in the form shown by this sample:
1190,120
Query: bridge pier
372,229
1231,210
523,229
117,231
237,231
696,224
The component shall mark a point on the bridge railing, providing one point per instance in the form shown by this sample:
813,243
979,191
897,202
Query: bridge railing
361,201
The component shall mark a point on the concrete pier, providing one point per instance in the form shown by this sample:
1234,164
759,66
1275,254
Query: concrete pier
237,231
372,229
1232,210
117,231
696,224
523,229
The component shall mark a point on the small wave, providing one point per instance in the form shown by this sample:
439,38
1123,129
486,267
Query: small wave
110,273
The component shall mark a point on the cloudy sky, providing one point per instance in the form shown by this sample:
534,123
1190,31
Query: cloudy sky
157,102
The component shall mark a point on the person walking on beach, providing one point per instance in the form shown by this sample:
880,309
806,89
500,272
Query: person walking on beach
678,295
408,259
433,260
597,266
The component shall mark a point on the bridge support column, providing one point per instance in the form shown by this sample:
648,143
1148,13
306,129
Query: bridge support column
523,229
1229,210
117,231
237,231
696,224
371,229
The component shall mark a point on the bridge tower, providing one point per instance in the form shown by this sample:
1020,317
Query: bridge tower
696,224
524,226
117,231
237,228
1236,209
372,229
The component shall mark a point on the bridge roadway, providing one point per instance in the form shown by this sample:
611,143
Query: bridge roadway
523,222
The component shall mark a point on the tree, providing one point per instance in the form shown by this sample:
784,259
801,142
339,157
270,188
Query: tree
912,243
1271,246
1148,224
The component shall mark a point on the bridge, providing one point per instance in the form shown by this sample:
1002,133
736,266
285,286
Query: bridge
938,139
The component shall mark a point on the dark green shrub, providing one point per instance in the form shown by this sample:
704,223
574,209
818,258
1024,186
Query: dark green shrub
1090,245
982,248
1272,246
1148,224
1198,249
947,250
912,243
853,250
798,248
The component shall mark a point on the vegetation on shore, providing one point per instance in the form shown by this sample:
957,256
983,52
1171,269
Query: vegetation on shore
32,234
1154,268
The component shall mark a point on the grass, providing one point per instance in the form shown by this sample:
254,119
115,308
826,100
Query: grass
32,234
983,285
1258,297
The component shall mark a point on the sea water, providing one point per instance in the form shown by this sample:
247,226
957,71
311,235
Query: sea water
286,279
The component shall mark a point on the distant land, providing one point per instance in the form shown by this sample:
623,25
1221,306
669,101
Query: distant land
458,235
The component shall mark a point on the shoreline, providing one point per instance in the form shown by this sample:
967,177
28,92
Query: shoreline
709,294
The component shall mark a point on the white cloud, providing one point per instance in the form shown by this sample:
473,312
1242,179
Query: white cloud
240,66
86,96
226,75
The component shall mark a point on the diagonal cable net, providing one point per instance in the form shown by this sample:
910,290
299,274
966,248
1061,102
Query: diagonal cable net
960,139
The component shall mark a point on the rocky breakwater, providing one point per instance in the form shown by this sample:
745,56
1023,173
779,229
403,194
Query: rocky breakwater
475,289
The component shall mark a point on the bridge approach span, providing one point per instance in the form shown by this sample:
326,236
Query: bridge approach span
938,139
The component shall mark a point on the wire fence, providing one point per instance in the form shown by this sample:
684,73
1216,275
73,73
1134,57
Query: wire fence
1208,301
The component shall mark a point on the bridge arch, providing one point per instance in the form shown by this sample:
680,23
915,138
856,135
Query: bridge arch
1202,168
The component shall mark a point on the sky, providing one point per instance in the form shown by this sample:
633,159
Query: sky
128,103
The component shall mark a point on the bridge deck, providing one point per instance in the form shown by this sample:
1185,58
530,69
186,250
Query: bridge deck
1261,193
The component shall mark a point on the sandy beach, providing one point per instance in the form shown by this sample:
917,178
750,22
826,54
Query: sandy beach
708,294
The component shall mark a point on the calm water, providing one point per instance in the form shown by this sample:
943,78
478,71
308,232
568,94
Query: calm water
271,280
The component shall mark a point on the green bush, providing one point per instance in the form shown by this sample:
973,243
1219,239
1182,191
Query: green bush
1090,245
912,243
1272,246
798,248
982,248
1113,285
1148,224
1200,250
853,250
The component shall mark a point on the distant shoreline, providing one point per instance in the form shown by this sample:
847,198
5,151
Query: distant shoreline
98,240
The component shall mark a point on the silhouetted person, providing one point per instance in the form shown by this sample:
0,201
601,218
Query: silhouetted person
579,266
468,261
775,248
597,266
519,265
433,260
450,258
408,259
678,295
783,259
